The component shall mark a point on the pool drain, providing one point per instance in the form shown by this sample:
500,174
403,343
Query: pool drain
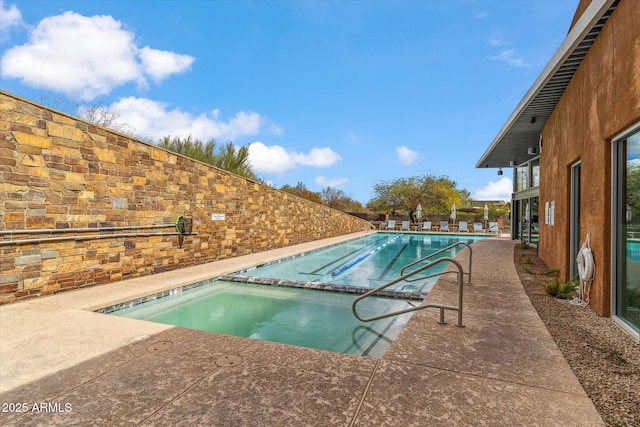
160,346
229,360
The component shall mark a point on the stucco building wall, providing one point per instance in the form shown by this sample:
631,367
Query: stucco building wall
602,100
58,172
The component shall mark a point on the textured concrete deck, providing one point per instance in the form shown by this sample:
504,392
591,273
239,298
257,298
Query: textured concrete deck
503,368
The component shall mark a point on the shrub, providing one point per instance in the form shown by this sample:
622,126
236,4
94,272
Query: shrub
560,290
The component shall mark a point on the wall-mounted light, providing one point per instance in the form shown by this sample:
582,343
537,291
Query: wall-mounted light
533,120
512,163
500,171
532,151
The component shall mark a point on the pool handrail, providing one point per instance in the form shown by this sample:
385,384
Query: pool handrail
436,253
442,307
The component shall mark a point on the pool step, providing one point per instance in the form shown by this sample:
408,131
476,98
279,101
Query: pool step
327,287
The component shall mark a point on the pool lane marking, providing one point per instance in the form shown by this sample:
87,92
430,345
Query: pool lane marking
379,337
315,272
347,266
394,260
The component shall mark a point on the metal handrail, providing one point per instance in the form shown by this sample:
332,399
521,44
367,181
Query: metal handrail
85,237
86,229
436,253
442,307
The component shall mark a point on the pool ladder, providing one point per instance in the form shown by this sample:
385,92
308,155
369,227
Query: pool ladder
404,277
421,260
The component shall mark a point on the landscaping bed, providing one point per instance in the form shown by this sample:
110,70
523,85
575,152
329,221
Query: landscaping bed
605,359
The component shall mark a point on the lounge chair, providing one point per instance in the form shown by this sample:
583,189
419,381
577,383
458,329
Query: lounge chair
463,227
391,225
426,226
406,225
444,225
493,228
477,227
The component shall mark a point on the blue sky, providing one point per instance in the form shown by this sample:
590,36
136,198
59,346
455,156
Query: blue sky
329,93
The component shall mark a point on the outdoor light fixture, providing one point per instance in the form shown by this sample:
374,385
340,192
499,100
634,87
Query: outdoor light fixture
533,120
500,171
512,163
531,151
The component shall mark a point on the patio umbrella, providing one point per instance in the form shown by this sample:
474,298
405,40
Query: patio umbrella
453,213
486,214
419,212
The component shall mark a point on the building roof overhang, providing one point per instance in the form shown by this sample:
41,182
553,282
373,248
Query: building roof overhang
521,132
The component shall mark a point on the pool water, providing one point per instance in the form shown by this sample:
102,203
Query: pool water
368,261
306,318
633,251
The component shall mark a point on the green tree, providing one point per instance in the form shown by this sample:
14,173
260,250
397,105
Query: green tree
227,157
436,194
235,160
338,199
301,190
633,187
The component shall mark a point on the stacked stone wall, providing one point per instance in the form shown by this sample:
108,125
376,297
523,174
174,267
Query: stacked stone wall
81,205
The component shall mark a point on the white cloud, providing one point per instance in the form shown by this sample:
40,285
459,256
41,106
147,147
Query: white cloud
160,63
155,120
85,57
9,18
276,160
331,182
633,145
406,156
509,56
318,157
275,130
500,190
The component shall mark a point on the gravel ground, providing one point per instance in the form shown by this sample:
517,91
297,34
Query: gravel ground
605,359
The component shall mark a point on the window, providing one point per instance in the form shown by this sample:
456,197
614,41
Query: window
535,172
627,229
522,181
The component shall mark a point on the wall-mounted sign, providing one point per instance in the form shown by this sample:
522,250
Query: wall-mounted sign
217,217
550,213
546,213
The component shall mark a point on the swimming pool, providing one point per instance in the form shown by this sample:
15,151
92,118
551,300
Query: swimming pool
368,261
297,313
633,250
306,318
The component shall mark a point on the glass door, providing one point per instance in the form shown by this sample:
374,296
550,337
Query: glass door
574,224
627,230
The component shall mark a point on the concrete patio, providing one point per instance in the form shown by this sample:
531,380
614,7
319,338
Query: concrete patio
502,369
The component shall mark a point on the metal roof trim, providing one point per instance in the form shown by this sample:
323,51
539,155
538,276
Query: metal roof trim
574,40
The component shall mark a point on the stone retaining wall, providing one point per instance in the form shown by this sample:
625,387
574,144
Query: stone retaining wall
113,201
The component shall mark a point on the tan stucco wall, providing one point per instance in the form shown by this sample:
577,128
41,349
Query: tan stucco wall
59,172
582,6
602,100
